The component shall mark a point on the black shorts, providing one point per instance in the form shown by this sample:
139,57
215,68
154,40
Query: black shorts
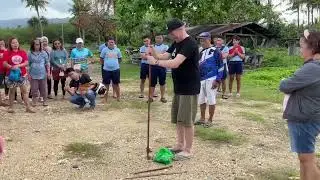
225,72
2,78
236,68
113,76
144,71
158,73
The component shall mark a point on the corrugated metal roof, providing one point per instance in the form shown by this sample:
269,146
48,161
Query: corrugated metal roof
224,28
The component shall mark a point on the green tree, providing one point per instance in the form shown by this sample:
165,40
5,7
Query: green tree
80,11
37,5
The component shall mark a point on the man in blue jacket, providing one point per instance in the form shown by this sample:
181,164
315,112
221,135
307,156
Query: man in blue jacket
211,72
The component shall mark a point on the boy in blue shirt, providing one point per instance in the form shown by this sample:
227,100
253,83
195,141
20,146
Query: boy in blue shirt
219,44
157,72
110,57
80,57
144,67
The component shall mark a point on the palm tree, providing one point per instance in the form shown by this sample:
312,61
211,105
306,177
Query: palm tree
34,21
296,6
37,5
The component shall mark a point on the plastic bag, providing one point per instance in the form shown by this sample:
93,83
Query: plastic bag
14,75
163,156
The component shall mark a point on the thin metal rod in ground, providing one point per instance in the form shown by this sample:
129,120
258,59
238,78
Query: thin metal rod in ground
149,106
154,175
152,170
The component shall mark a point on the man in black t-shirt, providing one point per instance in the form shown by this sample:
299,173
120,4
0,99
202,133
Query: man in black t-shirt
183,58
82,89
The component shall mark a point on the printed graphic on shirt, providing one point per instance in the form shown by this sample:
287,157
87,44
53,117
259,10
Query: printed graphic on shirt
211,64
16,59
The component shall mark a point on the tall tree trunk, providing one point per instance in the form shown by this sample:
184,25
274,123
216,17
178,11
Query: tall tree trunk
83,35
79,30
308,12
40,23
312,20
298,9
269,2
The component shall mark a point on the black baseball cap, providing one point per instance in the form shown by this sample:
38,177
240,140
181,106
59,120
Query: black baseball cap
174,24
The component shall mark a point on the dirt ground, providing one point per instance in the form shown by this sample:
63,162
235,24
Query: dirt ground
36,142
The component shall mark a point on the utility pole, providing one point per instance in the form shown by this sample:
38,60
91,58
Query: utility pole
62,33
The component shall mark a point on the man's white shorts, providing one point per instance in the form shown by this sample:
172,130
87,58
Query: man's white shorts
207,94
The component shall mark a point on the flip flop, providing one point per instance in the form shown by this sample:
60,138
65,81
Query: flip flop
151,100
175,151
141,96
200,122
225,97
163,100
208,124
181,157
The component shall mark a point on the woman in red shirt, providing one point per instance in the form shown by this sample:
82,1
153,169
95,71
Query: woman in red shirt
2,70
15,62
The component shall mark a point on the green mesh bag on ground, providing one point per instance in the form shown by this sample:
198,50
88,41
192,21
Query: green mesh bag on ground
163,156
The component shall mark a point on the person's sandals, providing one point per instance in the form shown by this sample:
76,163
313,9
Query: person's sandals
225,96
141,96
155,95
200,122
151,100
163,100
182,156
28,110
4,104
10,110
175,151
208,124
45,104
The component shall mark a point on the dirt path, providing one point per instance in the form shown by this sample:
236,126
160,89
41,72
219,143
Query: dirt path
36,142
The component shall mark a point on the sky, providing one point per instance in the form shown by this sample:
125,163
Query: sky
14,9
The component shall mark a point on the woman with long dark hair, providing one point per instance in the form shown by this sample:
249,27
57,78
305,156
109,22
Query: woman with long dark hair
16,61
59,64
38,72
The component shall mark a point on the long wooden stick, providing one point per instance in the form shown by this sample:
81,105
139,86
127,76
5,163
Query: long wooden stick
152,170
154,175
149,106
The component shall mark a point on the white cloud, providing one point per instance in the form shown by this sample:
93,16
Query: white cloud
15,9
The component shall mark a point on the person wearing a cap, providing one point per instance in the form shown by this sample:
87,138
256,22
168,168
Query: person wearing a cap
80,56
219,43
48,50
82,89
236,58
211,72
183,58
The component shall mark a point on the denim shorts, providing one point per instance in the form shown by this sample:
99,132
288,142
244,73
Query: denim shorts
303,136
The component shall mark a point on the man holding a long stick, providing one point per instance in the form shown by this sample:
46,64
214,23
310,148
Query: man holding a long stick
183,58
